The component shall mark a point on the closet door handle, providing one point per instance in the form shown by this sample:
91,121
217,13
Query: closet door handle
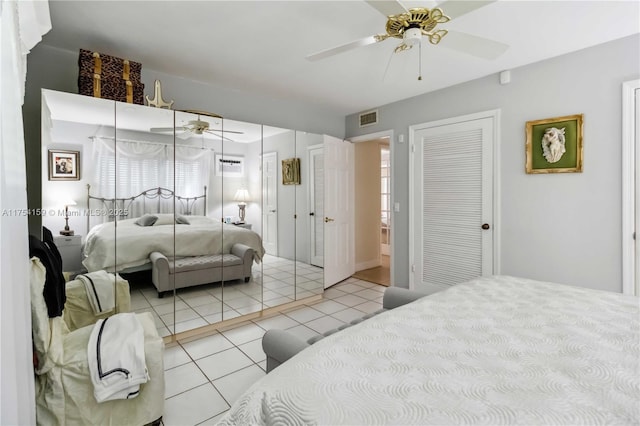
485,226
327,219
312,214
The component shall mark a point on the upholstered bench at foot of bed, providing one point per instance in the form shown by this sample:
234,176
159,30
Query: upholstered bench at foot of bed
196,270
280,345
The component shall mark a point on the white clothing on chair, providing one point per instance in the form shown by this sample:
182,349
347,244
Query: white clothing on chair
116,357
100,287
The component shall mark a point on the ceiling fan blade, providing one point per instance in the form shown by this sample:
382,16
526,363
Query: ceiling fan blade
162,129
345,47
226,131
473,45
213,132
455,8
184,135
387,7
169,129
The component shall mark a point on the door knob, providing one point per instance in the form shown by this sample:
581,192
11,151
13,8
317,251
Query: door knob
485,226
327,219
312,214
272,211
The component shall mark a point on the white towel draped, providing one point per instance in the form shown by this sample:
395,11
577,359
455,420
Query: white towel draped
116,357
100,286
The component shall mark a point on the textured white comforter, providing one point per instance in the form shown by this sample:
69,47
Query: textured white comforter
135,243
498,350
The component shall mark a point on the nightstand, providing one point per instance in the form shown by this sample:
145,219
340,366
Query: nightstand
243,225
70,248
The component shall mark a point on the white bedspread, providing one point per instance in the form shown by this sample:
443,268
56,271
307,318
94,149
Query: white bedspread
498,350
135,243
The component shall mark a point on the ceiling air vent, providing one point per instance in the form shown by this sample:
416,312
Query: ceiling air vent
369,118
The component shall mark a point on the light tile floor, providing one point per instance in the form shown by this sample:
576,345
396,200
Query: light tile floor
204,377
272,284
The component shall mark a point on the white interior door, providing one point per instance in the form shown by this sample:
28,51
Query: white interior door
339,249
270,202
316,205
453,202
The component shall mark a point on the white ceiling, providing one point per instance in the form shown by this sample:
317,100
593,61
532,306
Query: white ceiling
261,45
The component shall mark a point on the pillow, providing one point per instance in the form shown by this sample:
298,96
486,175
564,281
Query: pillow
146,220
165,219
181,220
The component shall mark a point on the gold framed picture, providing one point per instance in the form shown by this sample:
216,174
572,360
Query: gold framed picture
64,165
291,171
554,145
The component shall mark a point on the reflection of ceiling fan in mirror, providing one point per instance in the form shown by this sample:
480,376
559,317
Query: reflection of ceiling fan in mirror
412,25
195,127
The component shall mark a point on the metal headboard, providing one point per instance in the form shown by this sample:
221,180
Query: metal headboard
119,208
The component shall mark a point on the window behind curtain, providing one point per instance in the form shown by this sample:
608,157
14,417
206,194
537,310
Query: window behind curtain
142,166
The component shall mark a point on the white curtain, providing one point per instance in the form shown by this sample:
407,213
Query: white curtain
127,168
192,170
22,24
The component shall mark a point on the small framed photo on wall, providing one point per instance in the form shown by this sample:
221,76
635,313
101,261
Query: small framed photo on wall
64,165
554,145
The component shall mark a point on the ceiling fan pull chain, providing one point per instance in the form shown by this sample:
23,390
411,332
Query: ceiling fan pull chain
387,68
420,62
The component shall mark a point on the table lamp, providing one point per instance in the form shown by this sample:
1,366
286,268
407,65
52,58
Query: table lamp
242,195
66,231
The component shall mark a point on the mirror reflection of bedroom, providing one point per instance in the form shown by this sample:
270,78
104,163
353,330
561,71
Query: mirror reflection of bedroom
373,211
194,211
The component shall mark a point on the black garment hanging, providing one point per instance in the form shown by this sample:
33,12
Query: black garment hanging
54,285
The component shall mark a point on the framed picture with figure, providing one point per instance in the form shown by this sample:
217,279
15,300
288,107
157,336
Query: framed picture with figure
64,165
291,171
554,145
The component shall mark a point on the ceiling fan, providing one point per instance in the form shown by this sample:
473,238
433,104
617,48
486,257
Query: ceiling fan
196,127
412,25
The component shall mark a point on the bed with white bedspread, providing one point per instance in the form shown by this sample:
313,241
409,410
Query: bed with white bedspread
129,245
495,350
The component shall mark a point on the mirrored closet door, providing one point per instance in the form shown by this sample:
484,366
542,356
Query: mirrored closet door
207,219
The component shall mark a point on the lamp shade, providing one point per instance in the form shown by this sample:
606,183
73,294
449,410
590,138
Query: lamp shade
67,202
242,195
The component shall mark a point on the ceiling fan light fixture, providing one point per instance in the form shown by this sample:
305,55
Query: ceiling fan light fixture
414,24
198,126
412,36
420,18
401,20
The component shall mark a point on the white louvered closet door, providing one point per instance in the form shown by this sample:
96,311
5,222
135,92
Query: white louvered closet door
453,199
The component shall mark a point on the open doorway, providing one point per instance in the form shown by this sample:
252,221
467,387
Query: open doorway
373,211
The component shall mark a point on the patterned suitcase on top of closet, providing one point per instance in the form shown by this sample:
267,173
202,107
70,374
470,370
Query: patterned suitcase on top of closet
110,77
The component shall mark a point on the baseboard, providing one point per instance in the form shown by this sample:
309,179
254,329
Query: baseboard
367,265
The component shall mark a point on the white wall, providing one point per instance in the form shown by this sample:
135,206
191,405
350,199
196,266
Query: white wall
559,227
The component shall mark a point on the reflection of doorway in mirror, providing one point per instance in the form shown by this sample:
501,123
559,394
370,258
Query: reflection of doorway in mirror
270,202
316,205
